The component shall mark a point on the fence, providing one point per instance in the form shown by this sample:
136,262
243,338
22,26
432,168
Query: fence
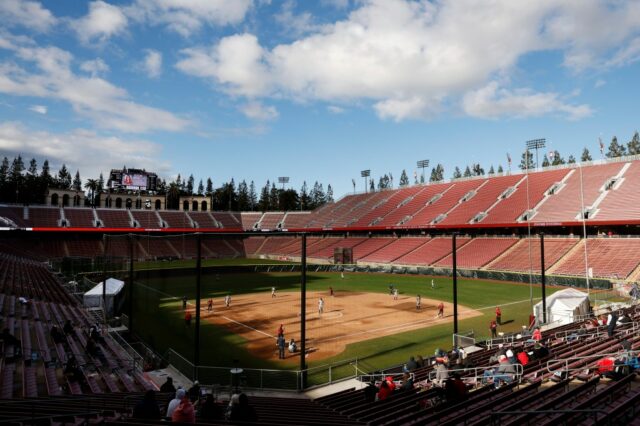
261,378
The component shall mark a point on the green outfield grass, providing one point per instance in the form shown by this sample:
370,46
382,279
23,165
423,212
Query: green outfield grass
159,320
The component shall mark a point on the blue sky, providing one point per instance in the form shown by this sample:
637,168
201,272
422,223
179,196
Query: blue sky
317,91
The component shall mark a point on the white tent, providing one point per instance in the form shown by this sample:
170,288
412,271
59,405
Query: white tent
93,297
564,306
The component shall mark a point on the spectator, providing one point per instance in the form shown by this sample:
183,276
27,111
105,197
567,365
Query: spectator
455,390
442,373
56,335
240,410
72,370
209,410
184,302
280,330
384,391
168,386
505,372
540,351
94,333
173,404
147,408
10,339
523,358
407,382
412,364
511,356
420,361
612,321
537,334
194,391
91,347
184,412
370,392
624,319
68,328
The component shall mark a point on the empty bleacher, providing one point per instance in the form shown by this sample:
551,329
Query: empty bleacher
612,258
518,259
623,200
430,252
202,220
395,249
228,219
249,219
112,218
478,252
18,215
270,220
146,218
79,217
176,219
47,217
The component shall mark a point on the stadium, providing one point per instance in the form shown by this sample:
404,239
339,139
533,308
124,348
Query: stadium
141,297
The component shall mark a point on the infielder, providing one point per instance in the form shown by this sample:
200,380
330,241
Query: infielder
433,285
320,306
273,292
395,294
227,300
418,302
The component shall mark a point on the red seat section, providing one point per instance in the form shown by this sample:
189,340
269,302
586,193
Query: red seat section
519,260
478,252
48,217
79,218
146,218
270,220
410,207
18,215
612,258
451,196
115,218
393,200
201,219
293,220
176,219
395,249
228,219
429,253
249,219
623,200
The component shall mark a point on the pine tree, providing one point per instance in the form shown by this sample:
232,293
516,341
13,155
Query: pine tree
557,159
615,149
190,183
243,196
200,188
33,167
586,156
500,169
209,188
478,170
274,197
45,174
264,197
467,172
304,198
571,159
100,183
64,178
77,182
545,161
434,175
329,196
527,161
457,174
253,197
439,172
372,187
16,170
633,147
404,179
491,171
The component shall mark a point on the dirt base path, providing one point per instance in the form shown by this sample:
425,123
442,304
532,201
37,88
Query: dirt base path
348,317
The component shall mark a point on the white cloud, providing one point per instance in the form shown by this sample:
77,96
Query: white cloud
40,109
599,83
411,58
29,14
107,105
152,63
95,67
187,17
101,23
492,101
258,111
81,149
334,109
292,23
338,4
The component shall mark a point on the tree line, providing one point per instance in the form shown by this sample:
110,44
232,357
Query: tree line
28,185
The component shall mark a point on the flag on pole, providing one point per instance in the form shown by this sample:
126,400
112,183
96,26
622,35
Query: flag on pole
508,158
353,181
601,146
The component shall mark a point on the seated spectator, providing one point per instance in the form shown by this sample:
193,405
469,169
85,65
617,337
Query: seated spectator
68,328
540,351
523,358
91,348
384,391
194,391
420,361
184,412
624,319
537,334
455,390
407,382
147,408
23,301
370,392
72,370
168,386
56,335
240,410
173,404
10,339
412,364
94,333
209,410
511,356
504,373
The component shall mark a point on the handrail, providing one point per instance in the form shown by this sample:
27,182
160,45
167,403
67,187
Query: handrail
567,361
516,376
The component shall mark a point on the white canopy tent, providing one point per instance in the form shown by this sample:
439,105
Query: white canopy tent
93,297
564,306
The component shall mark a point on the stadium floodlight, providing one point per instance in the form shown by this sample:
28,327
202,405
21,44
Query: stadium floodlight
422,164
536,144
283,180
365,174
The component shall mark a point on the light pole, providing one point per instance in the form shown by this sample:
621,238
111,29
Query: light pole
584,230
365,174
422,164
283,180
535,144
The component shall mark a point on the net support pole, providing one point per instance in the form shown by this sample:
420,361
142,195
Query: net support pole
196,348
131,284
455,284
303,311
543,280
104,278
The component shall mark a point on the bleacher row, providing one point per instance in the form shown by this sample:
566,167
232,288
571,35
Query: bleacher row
613,258
594,192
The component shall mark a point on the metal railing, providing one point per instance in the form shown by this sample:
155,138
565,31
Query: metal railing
479,372
567,361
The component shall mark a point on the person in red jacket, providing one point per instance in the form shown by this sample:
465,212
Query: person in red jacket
441,310
523,358
384,391
187,318
498,315
184,413
537,334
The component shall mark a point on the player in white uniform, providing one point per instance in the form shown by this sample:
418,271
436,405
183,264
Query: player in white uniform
320,306
273,292
433,285
227,300
395,294
418,302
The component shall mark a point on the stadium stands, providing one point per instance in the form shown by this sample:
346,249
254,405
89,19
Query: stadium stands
270,220
17,215
377,214
202,220
294,220
115,218
430,252
227,219
478,252
250,219
48,217
518,260
79,217
178,219
395,249
623,200
146,218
